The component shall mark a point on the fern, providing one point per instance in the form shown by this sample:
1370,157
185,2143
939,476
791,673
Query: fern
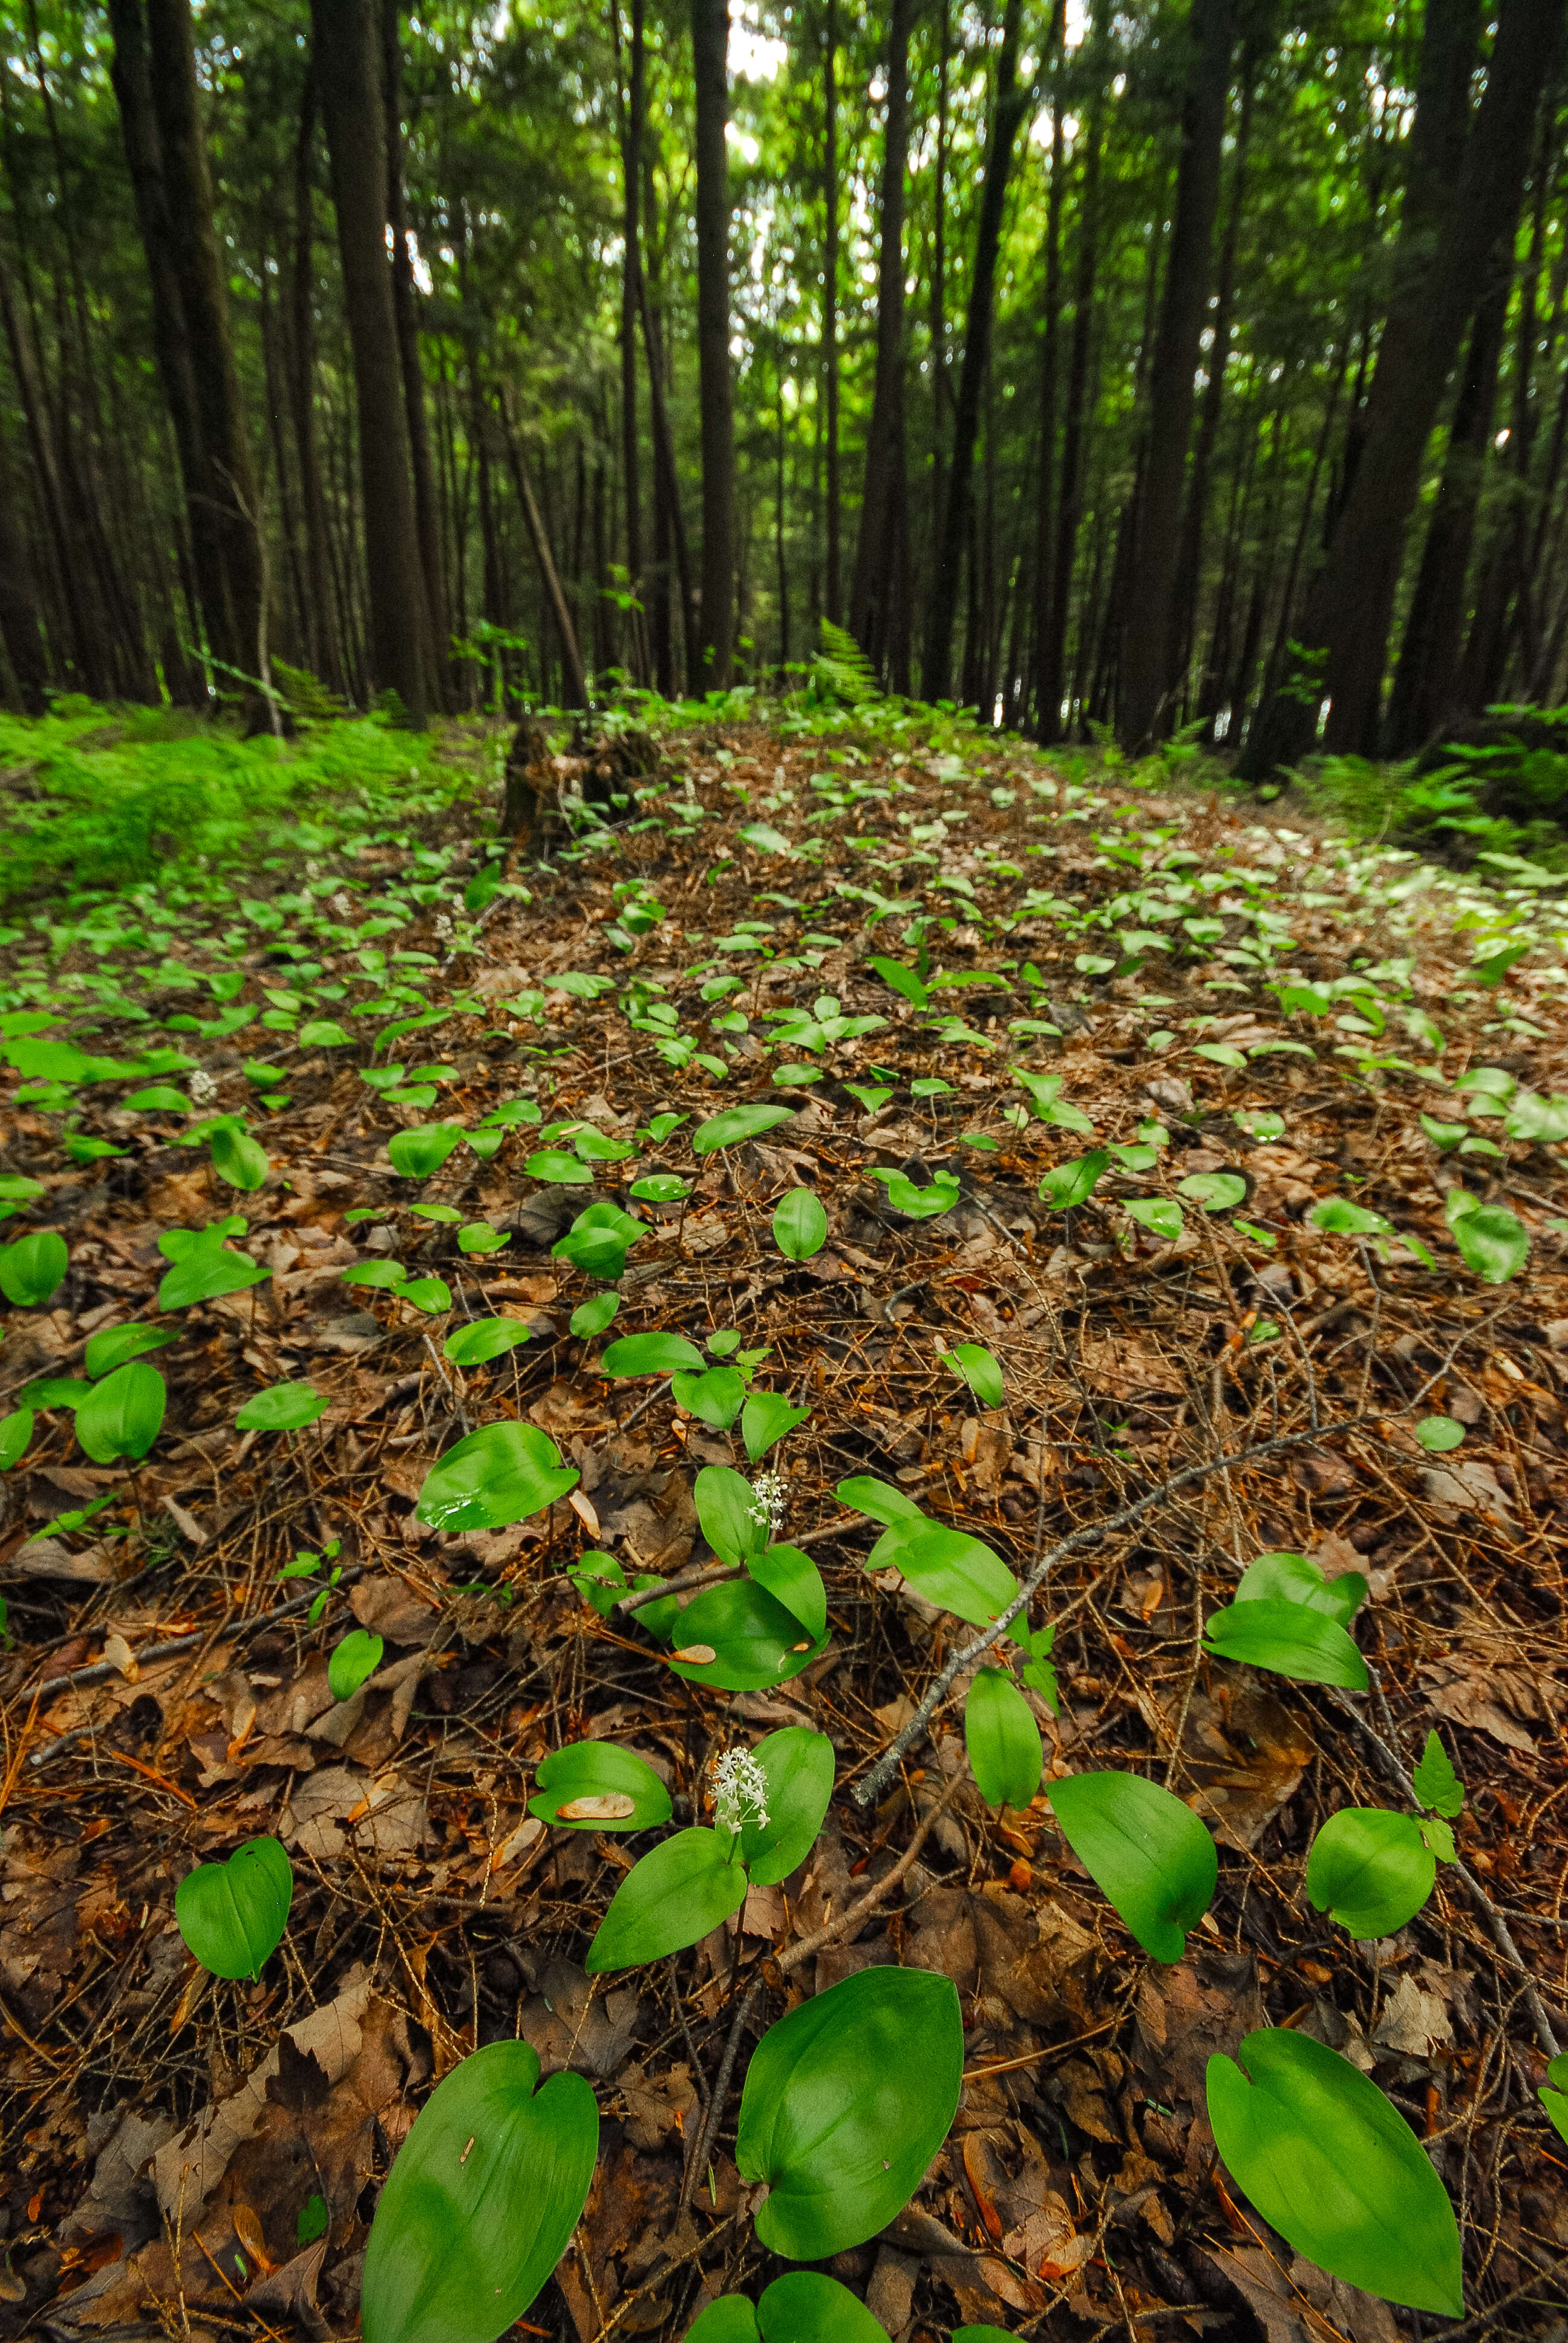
842,671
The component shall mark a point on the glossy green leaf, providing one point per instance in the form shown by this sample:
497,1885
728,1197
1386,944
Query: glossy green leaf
730,2320
54,1391
122,1415
356,1657
1291,1639
684,1887
598,1240
1159,1214
1292,1578
808,2306
238,1160
1434,1781
799,1765
1556,2107
1370,1870
901,980
732,1521
599,1786
33,1268
431,1294
283,1407
1336,2169
800,1225
1007,1756
1070,1184
793,1579
877,1499
1492,1242
232,1914
845,2104
1338,1216
17,1190
323,1033
479,1237
661,1188
591,1318
495,1476
206,1273
15,1432
386,1275
111,1346
917,1203
651,1354
1216,1192
976,1367
736,1123
766,1417
717,1395
486,1339
416,1153
595,1148
481,2202
561,1169
157,1098
754,1640
948,1568
1147,1852
1439,1434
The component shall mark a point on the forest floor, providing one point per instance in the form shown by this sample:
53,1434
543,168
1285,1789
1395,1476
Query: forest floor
170,2139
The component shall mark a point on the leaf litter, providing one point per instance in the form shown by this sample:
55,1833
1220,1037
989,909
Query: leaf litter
1259,1018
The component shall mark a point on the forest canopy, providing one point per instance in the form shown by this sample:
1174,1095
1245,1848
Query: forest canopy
1179,366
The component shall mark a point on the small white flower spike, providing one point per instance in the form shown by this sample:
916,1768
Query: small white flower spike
739,1788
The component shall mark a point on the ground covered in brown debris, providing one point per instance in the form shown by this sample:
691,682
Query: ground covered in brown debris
166,2134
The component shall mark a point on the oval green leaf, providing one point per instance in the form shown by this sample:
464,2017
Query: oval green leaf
732,1521
1292,1578
1146,1851
799,1767
1370,1870
1070,1184
1439,1434
800,1225
590,1318
808,2306
1007,1756
496,1476
599,1773
486,1339
232,1914
1336,2169
416,1153
238,1160
1492,1242
766,1417
33,1268
793,1579
717,1396
283,1407
479,1237
431,1294
122,1415
1217,1192
111,1346
686,1885
1290,1639
976,1367
15,1432
206,1273
481,2203
948,1568
651,1354
736,1123
358,1656
846,2102
730,2320
561,1169
1159,1215
754,1640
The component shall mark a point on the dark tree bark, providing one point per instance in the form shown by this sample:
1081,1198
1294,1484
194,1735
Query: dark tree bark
227,467
831,597
323,655
576,694
86,648
709,42
631,147
1351,606
351,109
1008,111
1150,636
878,597
22,624
1049,386
669,481
426,506
1053,653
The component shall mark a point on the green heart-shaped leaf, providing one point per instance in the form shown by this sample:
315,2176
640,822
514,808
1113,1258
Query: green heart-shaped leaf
976,1367
1145,1850
481,2203
591,1318
846,2102
205,1273
793,1579
1336,2169
1007,1756
1370,1870
355,1659
111,1346
496,1476
688,1886
1292,1578
766,1417
1434,1781
800,1225
754,1640
15,1432
1492,1242
33,1267
561,1169
1291,1639
651,1354
736,1123
614,1787
808,2306
122,1415
717,1396
416,1153
232,1914
238,1160
799,1767
1217,1192
283,1407
1158,1215
1070,1184
486,1339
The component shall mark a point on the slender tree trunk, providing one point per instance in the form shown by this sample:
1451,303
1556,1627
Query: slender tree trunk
878,596
1151,632
576,694
941,385
1352,604
709,41
21,626
1070,500
323,653
230,480
1049,371
1008,111
351,109
669,480
779,558
86,649
633,123
832,599
426,508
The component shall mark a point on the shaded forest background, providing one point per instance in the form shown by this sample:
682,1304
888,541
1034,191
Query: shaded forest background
1199,364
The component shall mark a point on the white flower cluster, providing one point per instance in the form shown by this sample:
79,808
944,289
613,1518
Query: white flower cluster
740,1785
343,904
771,1490
443,926
202,1088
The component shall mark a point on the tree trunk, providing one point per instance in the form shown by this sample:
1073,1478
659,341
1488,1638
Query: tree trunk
1049,371
1352,604
941,613
229,470
709,42
831,597
576,694
426,508
1069,497
323,654
351,109
630,320
86,649
1150,631
21,627
879,596
669,482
